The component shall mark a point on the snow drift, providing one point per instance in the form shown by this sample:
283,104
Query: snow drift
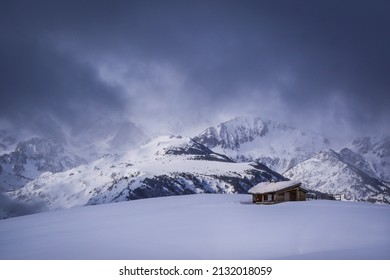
204,226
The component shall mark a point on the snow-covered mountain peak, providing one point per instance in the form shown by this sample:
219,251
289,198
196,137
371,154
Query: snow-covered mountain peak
232,133
362,144
166,141
156,148
276,145
31,158
327,155
330,172
371,155
39,148
164,147
377,145
381,146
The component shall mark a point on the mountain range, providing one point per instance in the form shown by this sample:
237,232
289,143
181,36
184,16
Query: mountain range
329,172
254,139
358,171
32,158
167,165
115,161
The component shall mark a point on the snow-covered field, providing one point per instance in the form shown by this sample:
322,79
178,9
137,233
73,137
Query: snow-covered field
204,226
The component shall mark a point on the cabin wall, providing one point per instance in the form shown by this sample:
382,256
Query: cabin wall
279,197
302,195
263,198
295,194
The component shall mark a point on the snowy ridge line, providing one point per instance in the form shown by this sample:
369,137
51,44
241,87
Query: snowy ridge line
165,166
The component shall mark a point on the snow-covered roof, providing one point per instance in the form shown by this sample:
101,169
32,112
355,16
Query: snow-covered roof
267,187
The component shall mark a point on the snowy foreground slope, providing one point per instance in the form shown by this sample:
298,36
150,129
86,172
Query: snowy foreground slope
204,226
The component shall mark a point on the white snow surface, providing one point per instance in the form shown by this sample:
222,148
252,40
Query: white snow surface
265,187
204,226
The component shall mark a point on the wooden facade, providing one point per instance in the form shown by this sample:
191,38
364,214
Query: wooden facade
273,194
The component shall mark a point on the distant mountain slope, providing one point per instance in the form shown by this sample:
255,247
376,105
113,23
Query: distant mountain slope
329,173
32,158
371,155
165,166
253,139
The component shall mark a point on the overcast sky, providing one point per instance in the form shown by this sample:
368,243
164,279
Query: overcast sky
180,66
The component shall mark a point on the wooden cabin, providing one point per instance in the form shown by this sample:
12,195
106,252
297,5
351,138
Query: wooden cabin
275,192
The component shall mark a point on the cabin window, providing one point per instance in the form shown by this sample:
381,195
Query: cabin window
269,198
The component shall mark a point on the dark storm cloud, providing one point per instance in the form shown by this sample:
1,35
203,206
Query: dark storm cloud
38,79
326,58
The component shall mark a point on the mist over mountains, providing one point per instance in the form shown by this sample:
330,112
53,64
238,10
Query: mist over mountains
115,161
